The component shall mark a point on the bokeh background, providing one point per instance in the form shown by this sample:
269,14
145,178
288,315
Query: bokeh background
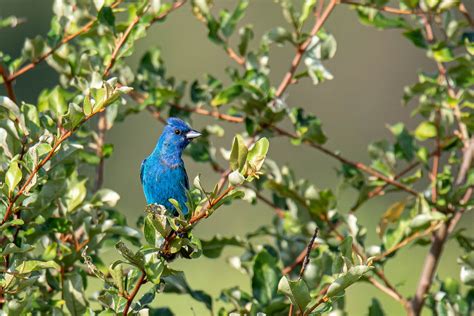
370,68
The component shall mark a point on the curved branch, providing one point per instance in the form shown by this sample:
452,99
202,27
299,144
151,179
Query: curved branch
287,79
354,164
134,293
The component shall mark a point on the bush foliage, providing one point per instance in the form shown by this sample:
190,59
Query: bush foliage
57,219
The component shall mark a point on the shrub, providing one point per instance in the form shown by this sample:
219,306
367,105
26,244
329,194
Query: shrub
57,219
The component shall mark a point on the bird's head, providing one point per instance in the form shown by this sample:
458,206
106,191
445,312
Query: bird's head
176,136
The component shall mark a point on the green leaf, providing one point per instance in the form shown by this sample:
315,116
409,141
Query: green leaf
411,3
106,16
227,95
278,35
154,268
416,37
13,176
13,222
308,127
213,248
87,105
75,195
12,248
149,231
57,101
177,283
308,6
442,54
375,308
425,131
35,265
257,154
405,142
238,154
73,292
246,34
230,21
393,236
348,278
297,291
266,276
137,259
372,17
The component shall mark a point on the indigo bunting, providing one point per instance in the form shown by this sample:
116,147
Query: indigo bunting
162,174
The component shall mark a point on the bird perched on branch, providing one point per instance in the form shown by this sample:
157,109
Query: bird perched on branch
162,174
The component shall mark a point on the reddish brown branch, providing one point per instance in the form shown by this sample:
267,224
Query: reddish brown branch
215,114
65,135
287,79
354,164
7,83
65,40
121,42
463,10
232,54
134,293
438,241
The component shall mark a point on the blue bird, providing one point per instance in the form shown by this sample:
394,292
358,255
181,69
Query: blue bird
162,174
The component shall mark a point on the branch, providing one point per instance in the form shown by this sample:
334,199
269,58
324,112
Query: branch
456,111
303,257
434,169
406,241
232,54
102,123
65,135
134,293
354,164
302,48
466,14
65,40
466,162
7,83
393,294
215,113
438,241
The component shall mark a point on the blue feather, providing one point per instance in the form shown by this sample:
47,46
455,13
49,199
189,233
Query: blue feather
163,174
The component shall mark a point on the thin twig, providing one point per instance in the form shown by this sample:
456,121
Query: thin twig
7,83
354,164
287,79
466,14
466,162
65,135
407,240
393,294
102,122
65,40
232,54
436,157
456,111
134,293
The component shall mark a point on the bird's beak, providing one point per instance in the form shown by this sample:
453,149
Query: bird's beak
192,134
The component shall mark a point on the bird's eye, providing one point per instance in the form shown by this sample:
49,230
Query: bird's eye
177,131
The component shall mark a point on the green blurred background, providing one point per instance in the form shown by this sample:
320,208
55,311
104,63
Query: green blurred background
370,68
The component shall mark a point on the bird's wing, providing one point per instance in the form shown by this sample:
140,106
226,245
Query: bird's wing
186,180
142,170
